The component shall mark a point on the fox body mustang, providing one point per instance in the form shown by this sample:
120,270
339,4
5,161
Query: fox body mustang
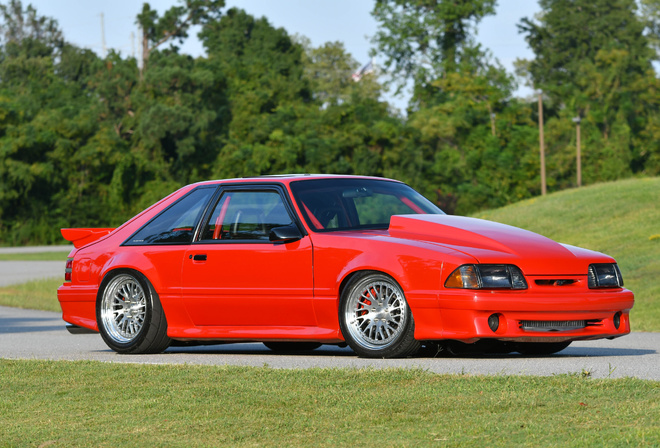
299,261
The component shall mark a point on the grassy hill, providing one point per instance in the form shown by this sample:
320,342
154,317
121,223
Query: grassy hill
621,219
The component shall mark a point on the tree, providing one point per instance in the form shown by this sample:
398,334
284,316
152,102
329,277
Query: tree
89,142
23,26
180,116
424,39
569,33
266,89
329,69
593,60
28,83
467,146
175,23
650,16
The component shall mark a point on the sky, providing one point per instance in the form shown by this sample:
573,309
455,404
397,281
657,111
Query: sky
348,21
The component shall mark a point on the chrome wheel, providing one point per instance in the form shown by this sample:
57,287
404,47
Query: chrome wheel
376,313
123,308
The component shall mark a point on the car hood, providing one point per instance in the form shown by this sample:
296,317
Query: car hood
491,242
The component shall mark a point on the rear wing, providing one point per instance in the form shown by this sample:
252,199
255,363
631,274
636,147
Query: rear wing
81,237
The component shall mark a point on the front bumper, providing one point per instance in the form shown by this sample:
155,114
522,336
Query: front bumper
526,316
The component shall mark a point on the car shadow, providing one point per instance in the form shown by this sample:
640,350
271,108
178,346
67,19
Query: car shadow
248,349
587,352
570,352
257,348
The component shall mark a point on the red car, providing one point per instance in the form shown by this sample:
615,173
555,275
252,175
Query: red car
303,260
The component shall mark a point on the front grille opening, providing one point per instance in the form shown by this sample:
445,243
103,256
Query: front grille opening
556,325
556,282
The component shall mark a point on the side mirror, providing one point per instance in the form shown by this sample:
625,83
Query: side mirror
285,234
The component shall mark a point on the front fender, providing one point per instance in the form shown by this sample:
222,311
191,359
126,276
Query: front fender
416,266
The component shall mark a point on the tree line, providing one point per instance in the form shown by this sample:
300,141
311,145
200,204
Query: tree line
88,141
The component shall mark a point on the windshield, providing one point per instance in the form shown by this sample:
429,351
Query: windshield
348,204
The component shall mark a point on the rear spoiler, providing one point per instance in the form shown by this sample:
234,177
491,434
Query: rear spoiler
82,237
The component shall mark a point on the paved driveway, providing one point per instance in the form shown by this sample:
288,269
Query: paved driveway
12,272
29,334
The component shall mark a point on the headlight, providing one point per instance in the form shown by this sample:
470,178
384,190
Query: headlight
605,275
487,276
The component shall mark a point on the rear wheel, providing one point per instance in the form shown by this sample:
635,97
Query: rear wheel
291,347
541,348
130,316
375,318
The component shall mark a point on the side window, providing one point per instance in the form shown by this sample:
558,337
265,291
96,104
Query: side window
246,215
177,223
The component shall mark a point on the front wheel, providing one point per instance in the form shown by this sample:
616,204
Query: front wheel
130,316
375,318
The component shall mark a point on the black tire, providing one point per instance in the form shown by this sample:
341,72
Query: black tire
292,347
129,314
541,348
375,318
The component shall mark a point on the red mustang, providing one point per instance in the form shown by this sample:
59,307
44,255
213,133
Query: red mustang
299,261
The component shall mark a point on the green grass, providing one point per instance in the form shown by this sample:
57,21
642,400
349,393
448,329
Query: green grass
621,219
45,403
36,256
34,295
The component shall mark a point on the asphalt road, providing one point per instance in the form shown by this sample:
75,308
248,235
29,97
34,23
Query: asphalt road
28,334
12,272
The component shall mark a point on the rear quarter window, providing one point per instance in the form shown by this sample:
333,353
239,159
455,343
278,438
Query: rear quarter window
175,225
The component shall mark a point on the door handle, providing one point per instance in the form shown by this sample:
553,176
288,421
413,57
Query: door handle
198,257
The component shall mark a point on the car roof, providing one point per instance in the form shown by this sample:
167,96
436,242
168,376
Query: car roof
287,178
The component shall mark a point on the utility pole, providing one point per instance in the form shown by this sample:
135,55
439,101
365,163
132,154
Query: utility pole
542,144
145,52
577,121
492,120
103,49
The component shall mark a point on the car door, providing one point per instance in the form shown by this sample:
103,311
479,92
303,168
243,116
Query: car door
235,276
